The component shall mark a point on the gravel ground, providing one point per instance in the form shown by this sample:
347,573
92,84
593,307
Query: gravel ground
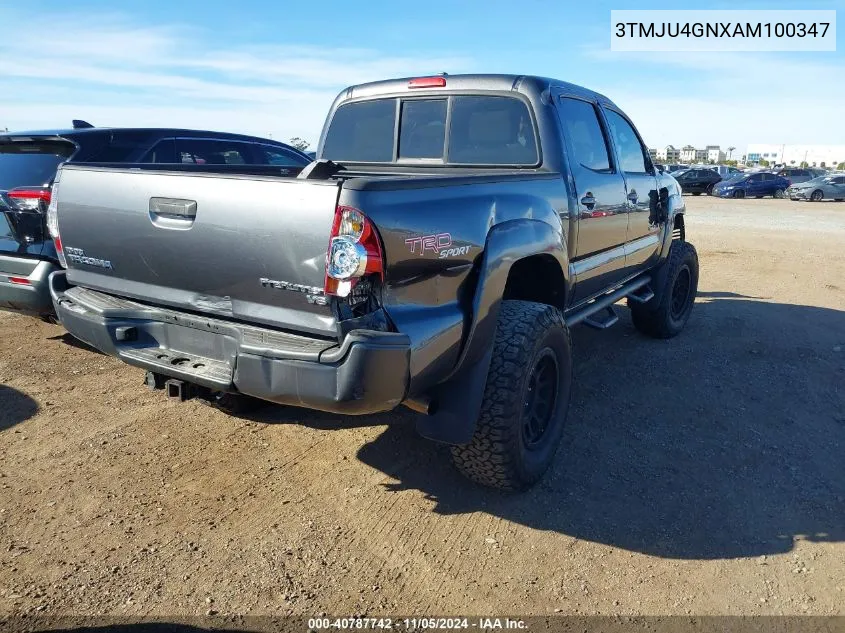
701,475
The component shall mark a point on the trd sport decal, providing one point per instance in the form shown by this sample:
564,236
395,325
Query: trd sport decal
440,243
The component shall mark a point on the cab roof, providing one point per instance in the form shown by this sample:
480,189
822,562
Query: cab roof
495,82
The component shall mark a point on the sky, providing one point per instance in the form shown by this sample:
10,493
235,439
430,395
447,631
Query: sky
273,68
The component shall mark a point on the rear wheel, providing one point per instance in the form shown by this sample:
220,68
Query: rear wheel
526,399
667,314
817,195
778,193
709,190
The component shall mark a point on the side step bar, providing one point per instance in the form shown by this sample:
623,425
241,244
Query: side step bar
643,295
637,289
602,319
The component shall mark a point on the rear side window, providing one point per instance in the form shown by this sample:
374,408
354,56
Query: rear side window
211,152
362,132
631,153
123,147
267,155
481,130
581,127
27,164
162,152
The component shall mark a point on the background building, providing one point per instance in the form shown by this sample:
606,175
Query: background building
813,155
669,154
688,154
714,153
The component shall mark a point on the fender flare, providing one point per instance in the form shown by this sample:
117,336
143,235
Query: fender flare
457,400
673,208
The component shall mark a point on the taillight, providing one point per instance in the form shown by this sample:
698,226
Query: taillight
31,200
53,221
354,251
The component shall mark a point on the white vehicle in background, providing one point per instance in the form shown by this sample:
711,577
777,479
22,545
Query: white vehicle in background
725,171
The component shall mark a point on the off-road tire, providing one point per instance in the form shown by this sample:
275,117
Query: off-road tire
661,317
499,455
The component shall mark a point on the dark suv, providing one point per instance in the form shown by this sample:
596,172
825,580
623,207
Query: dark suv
698,181
28,163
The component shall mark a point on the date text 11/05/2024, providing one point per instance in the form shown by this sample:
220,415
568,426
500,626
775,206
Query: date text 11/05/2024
417,623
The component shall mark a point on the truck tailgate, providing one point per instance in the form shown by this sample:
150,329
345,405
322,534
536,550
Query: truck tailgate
249,248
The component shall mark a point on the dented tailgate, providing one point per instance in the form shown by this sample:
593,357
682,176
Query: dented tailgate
250,248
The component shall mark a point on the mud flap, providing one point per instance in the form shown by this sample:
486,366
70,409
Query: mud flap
458,403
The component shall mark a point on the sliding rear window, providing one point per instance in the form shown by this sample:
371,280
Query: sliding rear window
456,130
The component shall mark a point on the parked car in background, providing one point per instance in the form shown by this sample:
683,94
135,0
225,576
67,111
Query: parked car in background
755,185
818,189
796,175
698,181
725,171
28,163
675,167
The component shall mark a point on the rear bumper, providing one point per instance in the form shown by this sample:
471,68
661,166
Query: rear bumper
366,373
31,298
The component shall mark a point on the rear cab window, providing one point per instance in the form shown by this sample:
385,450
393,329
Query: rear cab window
465,130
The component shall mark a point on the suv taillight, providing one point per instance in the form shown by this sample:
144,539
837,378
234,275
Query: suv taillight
30,200
53,220
354,251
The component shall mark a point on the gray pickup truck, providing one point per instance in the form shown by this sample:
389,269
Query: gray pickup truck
435,255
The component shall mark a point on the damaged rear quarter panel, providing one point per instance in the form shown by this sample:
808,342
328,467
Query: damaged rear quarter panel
434,237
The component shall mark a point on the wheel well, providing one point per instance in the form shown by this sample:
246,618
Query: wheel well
536,278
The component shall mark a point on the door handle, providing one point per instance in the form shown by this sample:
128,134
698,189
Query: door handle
172,213
632,196
588,200
174,207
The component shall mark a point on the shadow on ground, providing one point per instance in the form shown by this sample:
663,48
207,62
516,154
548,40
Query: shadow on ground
15,407
71,341
727,441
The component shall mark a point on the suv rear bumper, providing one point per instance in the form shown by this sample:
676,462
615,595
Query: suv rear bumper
366,373
31,298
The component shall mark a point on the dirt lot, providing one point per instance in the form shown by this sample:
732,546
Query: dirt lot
699,475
